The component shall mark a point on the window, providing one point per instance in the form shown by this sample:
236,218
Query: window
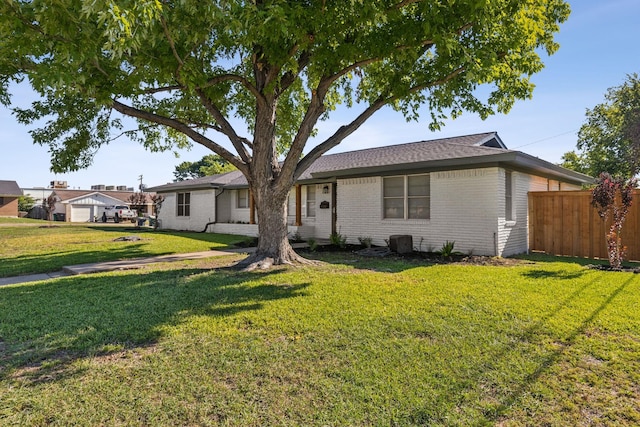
418,187
311,200
407,197
184,204
508,196
243,199
291,203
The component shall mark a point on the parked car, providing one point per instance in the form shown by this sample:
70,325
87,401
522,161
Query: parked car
118,213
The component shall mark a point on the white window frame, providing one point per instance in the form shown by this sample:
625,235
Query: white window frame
183,209
311,203
406,197
509,196
242,194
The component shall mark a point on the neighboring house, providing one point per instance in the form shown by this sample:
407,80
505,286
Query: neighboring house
85,205
469,189
39,194
9,194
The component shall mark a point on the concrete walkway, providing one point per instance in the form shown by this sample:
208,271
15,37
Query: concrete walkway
124,264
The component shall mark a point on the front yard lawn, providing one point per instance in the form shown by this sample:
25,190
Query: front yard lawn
29,249
351,342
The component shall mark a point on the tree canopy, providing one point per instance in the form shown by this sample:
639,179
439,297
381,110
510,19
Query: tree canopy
185,69
211,164
609,140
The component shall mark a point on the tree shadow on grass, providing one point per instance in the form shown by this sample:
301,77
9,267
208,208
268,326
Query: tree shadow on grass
54,261
229,239
543,258
505,402
46,326
547,274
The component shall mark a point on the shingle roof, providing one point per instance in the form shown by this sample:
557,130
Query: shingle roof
212,181
123,196
462,151
398,156
9,189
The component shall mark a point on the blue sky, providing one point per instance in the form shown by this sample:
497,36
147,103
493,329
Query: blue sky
598,48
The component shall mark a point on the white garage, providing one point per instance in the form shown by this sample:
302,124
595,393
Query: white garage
84,206
81,213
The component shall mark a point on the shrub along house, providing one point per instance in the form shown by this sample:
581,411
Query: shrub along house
468,189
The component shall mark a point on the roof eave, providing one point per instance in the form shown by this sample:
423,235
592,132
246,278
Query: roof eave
171,188
551,170
512,158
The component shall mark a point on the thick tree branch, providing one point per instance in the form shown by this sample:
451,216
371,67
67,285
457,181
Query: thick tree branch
403,4
154,90
225,127
348,129
338,136
185,129
289,77
313,113
173,47
234,77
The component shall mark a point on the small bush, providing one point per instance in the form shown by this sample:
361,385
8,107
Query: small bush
365,241
447,250
313,244
296,237
338,240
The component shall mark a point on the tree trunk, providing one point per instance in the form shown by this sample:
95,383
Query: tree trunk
273,240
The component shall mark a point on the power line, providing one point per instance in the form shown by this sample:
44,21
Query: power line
546,139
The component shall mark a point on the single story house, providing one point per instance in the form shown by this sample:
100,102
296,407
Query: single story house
86,205
9,194
468,189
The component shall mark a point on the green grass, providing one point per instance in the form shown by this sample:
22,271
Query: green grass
351,342
10,220
32,249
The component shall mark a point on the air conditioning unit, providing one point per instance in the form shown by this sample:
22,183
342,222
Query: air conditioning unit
59,184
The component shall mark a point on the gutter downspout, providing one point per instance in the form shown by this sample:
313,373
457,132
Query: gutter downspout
215,212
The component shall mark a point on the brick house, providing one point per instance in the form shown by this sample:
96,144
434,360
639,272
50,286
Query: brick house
9,194
468,189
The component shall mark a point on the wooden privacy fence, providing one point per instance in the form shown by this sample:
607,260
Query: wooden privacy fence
565,223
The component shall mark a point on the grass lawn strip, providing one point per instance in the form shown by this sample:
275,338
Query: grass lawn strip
32,250
366,342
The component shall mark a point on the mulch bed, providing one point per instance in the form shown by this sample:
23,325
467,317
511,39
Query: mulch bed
430,257
603,267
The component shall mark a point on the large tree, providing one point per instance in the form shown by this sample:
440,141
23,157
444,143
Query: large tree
609,140
184,69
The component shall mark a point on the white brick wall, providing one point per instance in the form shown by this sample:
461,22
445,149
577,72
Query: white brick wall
463,209
202,211
513,236
239,214
467,206
252,230
321,223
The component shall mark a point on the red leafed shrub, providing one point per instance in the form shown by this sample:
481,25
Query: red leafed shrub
613,197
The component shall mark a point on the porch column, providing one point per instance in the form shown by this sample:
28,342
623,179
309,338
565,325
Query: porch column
252,208
298,205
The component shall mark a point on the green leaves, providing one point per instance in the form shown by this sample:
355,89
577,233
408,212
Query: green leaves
200,64
609,140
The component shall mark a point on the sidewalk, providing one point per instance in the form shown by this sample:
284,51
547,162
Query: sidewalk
125,264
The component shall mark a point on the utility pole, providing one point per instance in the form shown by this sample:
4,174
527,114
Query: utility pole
141,187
